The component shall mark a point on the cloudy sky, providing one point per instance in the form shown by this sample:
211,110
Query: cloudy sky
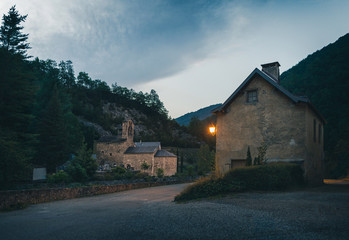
194,53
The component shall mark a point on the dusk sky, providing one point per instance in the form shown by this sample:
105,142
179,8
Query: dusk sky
193,53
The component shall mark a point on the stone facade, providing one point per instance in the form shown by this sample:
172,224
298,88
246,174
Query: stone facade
110,149
285,123
123,151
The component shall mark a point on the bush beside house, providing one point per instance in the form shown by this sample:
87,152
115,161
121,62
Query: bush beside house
278,176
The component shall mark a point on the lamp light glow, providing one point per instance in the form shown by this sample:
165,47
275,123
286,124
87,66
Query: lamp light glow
212,130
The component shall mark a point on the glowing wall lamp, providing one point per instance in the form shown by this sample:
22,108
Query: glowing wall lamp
212,129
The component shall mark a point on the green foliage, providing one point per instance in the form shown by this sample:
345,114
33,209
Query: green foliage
278,176
206,159
11,37
85,160
248,157
323,77
160,173
122,173
17,91
77,172
145,166
262,151
61,177
53,150
141,175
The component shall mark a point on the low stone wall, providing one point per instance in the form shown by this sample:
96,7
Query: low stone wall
14,198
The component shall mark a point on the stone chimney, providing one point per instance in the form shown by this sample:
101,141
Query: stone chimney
272,70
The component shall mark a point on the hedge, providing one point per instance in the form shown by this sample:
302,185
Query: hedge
276,176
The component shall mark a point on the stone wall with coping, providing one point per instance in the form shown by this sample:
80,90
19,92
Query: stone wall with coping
12,198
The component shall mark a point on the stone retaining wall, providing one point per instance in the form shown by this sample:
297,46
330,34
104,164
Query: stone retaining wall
14,198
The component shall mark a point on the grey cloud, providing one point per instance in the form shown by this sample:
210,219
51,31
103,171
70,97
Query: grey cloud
127,41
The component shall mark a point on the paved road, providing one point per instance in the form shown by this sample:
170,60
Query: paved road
150,214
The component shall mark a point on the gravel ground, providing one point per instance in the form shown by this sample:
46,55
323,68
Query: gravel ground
318,213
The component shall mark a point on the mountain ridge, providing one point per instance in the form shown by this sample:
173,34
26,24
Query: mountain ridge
201,114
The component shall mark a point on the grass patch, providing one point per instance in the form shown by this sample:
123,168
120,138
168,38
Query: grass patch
277,176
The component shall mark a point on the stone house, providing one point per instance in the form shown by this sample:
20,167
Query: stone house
261,111
123,151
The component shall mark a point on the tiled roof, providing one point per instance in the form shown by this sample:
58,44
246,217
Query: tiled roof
270,80
147,144
164,153
139,150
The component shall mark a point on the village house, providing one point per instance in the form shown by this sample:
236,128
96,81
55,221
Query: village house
123,151
261,112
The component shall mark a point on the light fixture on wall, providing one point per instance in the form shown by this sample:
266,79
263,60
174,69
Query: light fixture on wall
212,129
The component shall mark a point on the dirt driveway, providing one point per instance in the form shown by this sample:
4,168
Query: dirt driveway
318,213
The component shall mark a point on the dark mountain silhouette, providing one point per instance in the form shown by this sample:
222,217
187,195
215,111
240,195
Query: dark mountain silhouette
201,114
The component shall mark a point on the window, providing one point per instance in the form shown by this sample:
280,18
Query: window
314,131
111,154
320,133
252,96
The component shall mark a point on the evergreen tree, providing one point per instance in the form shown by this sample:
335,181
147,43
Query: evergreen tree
17,90
85,160
66,74
248,157
53,148
11,37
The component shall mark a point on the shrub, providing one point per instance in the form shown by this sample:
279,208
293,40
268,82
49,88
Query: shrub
160,172
145,166
77,172
140,175
118,170
277,176
60,177
119,173
85,160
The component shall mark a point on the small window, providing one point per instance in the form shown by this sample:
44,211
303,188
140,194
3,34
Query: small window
314,131
320,133
110,154
252,96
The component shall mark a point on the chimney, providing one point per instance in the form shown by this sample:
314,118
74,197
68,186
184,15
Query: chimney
272,70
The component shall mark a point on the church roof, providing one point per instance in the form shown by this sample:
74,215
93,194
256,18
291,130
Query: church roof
294,98
147,144
140,150
164,153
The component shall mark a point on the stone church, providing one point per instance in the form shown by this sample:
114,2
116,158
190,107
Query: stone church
261,111
122,151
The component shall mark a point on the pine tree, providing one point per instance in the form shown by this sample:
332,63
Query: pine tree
11,37
248,157
53,148
17,90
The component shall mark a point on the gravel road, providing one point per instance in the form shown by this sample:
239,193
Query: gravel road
319,213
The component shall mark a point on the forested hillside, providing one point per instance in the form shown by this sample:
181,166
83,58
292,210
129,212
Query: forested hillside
324,77
48,114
